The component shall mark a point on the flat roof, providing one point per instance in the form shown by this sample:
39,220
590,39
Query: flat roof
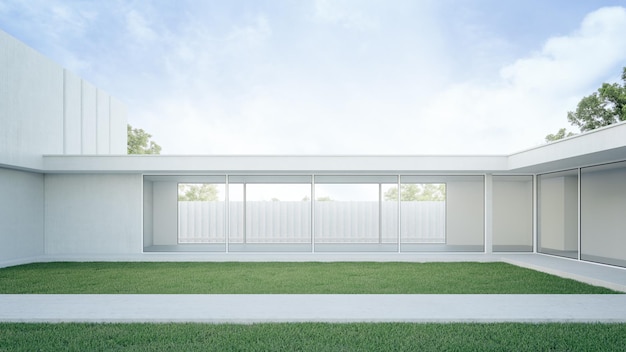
600,146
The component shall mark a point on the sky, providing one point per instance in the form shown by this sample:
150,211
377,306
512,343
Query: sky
375,77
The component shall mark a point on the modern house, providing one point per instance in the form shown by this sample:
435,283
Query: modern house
68,191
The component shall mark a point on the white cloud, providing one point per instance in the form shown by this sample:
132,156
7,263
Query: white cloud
52,20
251,34
346,13
567,63
139,28
534,93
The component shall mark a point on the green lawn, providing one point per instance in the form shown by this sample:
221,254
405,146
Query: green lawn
313,337
276,277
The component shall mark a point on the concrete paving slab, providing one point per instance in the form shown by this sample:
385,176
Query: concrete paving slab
313,308
595,274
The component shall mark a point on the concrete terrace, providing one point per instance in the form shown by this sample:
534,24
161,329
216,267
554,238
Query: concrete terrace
343,308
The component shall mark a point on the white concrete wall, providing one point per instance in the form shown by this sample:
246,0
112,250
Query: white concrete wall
93,214
89,115
117,129
103,122
603,214
147,214
73,114
165,213
21,216
45,109
31,105
465,217
512,213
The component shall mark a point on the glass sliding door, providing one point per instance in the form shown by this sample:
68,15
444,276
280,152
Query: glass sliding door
603,214
270,213
201,213
321,213
352,214
558,213
442,213
278,213
389,213
423,209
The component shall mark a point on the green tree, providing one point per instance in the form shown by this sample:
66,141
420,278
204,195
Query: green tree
203,192
418,192
139,142
602,108
319,199
324,199
562,133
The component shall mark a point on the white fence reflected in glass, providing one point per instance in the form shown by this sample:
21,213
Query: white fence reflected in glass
201,222
423,222
290,222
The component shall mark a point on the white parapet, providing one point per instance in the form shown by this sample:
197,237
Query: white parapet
45,109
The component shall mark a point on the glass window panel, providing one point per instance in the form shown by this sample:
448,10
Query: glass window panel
201,213
278,213
558,213
423,212
602,214
389,211
347,213
236,213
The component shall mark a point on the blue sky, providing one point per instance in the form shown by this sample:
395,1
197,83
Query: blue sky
335,77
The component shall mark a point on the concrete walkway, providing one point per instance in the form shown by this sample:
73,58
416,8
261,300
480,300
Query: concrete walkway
607,276
344,308
313,308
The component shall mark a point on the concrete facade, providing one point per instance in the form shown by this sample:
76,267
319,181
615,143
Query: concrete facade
69,192
21,216
44,109
93,214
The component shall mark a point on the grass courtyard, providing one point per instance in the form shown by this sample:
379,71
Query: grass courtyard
313,337
309,277
289,278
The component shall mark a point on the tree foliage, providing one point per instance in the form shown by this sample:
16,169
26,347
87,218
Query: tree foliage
562,133
204,192
602,108
418,192
319,199
324,199
139,142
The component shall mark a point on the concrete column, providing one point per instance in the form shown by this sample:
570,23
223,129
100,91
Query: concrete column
488,213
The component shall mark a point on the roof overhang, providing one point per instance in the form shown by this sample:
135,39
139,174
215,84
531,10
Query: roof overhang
275,164
600,146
